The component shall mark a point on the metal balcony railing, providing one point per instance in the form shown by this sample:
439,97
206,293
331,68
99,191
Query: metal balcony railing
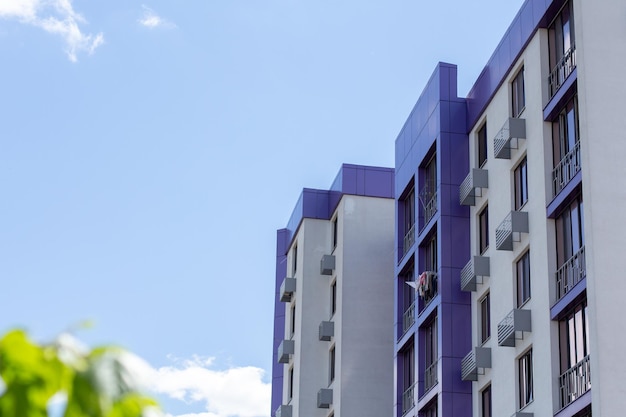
408,318
430,376
477,178
409,240
479,357
517,320
515,222
283,411
566,169
514,128
428,198
575,381
408,399
478,266
562,70
570,273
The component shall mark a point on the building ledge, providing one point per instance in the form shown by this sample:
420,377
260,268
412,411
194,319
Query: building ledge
572,295
575,406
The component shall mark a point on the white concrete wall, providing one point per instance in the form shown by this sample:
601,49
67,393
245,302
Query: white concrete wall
502,283
601,56
364,319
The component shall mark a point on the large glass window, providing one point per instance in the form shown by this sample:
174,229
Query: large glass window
483,229
521,184
561,45
407,298
408,378
290,387
525,381
575,377
523,279
428,193
565,146
408,226
518,96
334,232
331,364
431,355
570,247
485,319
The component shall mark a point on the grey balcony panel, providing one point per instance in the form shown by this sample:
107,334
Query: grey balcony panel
327,330
478,358
283,411
477,178
503,142
517,320
324,398
510,228
287,288
478,266
327,265
520,414
285,350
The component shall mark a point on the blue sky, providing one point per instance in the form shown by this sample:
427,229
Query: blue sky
150,150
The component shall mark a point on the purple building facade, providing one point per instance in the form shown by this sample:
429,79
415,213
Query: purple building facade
433,320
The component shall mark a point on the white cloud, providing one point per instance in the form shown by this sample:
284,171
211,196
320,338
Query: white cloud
57,17
152,20
232,392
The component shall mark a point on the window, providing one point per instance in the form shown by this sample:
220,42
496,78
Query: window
428,193
517,87
521,184
570,246
333,298
575,377
334,232
293,319
485,397
483,229
290,387
408,378
430,261
431,411
565,145
561,46
294,259
331,365
408,210
482,145
407,298
430,352
525,381
485,319
523,279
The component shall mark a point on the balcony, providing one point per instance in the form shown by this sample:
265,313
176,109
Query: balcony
408,318
285,350
283,411
327,330
562,70
426,287
408,399
327,264
478,266
430,376
522,414
503,142
428,198
575,381
478,358
472,186
510,228
287,288
324,398
570,273
567,168
409,240
517,320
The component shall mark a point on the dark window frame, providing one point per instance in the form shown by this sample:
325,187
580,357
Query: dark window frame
525,379
518,94
485,318
522,279
520,182
486,402
483,230
481,138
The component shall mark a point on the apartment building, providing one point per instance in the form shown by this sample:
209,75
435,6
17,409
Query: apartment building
545,231
333,342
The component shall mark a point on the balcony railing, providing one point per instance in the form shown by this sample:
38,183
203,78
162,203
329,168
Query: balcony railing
516,222
478,266
513,129
428,198
562,70
408,399
517,320
570,273
566,169
430,376
477,178
575,381
409,240
479,357
408,318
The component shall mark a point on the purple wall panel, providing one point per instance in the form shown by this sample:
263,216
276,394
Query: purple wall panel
282,241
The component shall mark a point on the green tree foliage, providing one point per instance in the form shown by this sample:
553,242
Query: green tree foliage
96,383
